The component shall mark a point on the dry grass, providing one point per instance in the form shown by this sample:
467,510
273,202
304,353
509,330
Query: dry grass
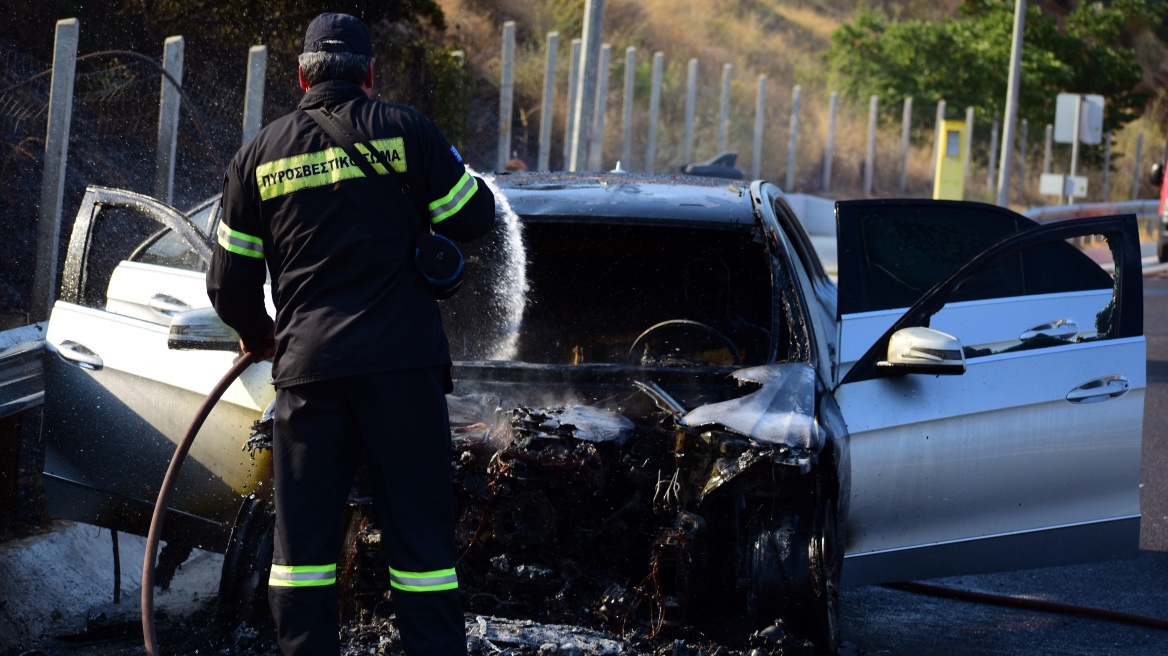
783,39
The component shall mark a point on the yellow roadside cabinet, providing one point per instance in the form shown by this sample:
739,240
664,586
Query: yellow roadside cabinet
949,180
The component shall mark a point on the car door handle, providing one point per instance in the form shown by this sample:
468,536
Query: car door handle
80,355
167,306
1100,389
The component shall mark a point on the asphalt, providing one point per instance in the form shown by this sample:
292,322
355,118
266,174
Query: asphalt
880,620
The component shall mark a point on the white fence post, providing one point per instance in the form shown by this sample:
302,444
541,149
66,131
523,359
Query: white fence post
1048,150
968,145
627,113
596,143
586,87
905,130
546,111
991,179
759,124
168,106
1136,172
691,93
1022,137
44,289
253,100
573,81
506,89
829,147
793,137
1106,167
654,110
724,108
870,153
938,135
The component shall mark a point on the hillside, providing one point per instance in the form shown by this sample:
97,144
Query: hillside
783,39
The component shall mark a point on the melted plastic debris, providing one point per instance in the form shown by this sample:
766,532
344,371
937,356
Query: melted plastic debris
782,412
587,423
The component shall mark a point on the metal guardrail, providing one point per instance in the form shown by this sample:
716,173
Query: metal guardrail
1143,209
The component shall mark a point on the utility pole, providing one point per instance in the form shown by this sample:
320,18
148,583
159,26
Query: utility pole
506,91
547,106
168,106
1011,117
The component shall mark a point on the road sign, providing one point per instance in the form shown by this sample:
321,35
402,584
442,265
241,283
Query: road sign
1091,127
1057,184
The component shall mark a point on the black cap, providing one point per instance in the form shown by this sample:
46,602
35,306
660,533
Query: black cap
338,33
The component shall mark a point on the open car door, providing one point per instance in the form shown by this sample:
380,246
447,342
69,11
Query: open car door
117,399
1030,456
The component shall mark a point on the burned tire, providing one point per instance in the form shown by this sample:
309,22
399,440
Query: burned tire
792,566
1162,252
243,583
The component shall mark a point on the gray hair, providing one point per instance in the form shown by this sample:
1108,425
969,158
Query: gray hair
324,66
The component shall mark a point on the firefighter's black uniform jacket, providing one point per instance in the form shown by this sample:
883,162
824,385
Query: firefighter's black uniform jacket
361,361
349,299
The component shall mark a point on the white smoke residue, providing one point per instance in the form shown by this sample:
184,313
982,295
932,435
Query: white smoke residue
512,280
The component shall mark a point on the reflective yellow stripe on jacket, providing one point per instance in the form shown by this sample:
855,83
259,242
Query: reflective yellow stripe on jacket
454,200
240,243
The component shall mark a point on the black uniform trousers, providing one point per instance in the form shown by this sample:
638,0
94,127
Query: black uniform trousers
396,424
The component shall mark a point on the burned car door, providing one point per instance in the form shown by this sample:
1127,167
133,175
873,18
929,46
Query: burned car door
1029,456
117,399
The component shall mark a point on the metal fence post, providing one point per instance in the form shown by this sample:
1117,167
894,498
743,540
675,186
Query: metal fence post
1106,167
1022,136
44,289
968,144
596,143
691,93
253,100
627,110
506,91
793,137
573,81
654,110
870,153
1048,149
168,106
724,108
905,133
549,100
1136,171
829,147
937,145
759,124
991,179
586,86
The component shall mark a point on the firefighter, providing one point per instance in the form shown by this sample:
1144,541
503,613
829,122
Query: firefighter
361,363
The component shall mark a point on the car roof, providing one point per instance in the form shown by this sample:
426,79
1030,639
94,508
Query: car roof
632,197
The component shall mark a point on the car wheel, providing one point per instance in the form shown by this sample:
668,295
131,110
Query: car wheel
792,567
1162,252
243,583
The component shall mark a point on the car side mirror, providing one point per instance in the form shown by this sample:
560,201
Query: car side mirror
201,330
923,351
1157,175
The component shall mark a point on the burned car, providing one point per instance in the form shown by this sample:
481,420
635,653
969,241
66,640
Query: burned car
665,413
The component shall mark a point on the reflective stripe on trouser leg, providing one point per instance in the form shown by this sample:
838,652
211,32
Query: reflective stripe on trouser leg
303,576
442,579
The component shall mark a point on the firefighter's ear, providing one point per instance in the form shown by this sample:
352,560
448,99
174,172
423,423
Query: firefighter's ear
367,83
303,83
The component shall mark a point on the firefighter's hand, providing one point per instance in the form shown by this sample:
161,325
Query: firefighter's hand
265,348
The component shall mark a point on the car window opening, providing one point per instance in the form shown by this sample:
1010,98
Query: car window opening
682,296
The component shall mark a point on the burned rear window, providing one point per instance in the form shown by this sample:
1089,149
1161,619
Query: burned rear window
695,296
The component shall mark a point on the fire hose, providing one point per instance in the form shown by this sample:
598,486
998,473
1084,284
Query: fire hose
180,453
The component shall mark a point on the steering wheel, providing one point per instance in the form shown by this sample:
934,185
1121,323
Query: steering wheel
682,325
